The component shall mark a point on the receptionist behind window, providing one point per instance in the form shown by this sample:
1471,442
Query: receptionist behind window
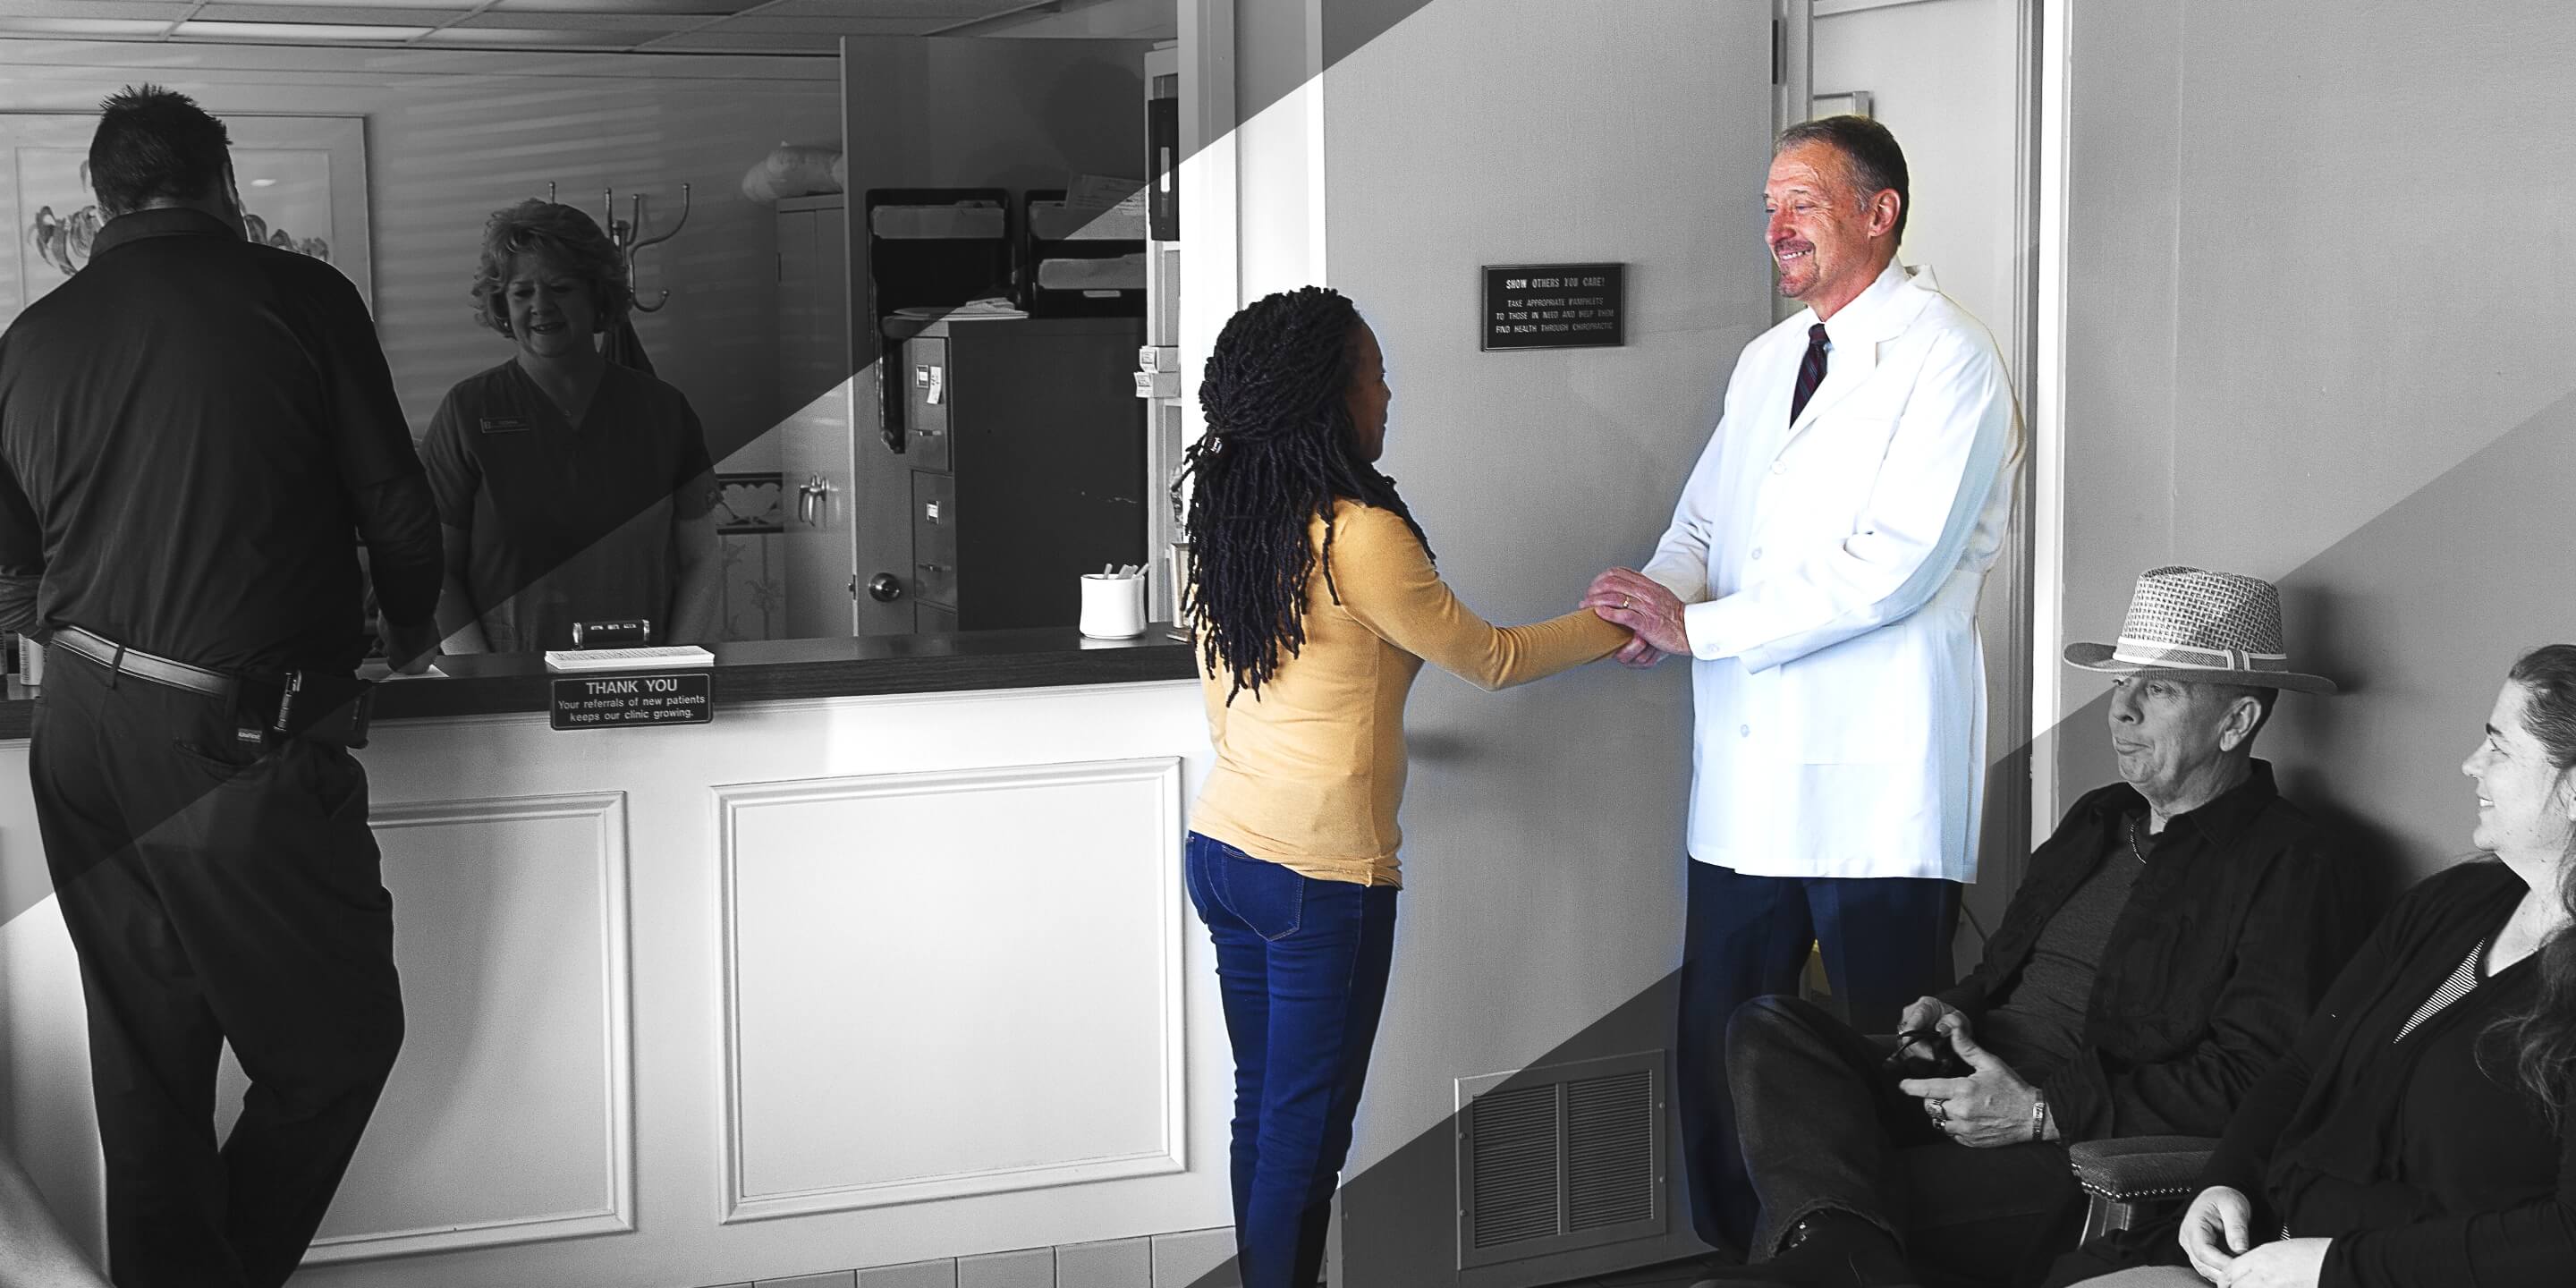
569,489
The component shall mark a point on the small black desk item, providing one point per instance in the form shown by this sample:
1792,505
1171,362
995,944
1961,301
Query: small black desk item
1554,306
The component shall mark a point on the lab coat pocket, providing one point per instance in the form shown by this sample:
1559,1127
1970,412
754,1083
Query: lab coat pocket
1859,702
1823,479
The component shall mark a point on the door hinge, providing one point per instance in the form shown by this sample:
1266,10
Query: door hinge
1779,53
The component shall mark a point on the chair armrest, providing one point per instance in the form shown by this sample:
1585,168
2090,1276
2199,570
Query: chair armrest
2132,1169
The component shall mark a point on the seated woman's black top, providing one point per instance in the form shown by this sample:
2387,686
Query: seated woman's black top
2426,1168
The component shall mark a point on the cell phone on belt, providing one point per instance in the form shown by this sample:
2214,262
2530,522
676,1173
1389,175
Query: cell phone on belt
1927,1053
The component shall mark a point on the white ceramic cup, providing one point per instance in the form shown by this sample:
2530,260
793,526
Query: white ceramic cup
1113,607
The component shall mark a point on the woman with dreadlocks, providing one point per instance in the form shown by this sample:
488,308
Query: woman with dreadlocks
1315,602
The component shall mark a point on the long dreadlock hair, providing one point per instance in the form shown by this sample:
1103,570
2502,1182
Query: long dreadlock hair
1277,452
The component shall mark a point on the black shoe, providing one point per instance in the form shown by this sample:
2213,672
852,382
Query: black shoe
1829,1249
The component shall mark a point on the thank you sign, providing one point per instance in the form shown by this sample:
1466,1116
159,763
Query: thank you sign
601,701
1555,306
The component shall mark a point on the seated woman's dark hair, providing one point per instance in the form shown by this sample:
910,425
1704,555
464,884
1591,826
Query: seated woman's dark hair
1277,452
568,239
2541,1041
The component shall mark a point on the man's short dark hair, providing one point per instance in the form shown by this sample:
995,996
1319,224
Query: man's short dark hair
1870,156
153,145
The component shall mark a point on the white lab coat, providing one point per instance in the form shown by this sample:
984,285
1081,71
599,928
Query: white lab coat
1831,568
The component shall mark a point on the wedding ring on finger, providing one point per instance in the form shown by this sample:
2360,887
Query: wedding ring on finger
1940,1113
1623,603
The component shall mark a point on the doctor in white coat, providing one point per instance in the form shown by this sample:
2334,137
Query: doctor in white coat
1822,572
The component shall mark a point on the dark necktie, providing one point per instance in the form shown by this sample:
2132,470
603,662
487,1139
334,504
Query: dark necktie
1811,371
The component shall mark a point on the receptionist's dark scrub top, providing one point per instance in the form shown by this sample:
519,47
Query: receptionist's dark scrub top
568,522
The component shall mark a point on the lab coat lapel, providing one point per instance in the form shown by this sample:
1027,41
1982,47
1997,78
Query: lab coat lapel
1874,321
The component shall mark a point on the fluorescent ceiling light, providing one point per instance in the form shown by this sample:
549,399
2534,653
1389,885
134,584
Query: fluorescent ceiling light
201,29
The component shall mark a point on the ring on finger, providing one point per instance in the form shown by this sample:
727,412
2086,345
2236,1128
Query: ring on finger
1939,1112
1623,602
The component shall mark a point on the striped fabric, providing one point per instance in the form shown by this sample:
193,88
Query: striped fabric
2452,990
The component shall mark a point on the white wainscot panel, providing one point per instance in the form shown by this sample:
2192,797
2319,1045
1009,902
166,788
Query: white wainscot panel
946,984
509,1115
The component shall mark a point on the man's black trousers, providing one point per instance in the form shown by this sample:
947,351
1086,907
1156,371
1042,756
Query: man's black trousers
217,889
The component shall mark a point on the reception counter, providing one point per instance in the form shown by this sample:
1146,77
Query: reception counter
888,963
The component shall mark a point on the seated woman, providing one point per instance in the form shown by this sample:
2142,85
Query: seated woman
2419,1135
569,489
1316,604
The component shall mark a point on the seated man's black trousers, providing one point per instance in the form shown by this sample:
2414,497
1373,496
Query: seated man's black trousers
1824,1127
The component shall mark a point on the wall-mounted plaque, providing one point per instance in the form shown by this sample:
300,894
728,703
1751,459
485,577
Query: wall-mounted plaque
1555,306
600,701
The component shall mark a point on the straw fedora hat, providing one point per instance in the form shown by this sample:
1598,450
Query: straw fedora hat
2211,627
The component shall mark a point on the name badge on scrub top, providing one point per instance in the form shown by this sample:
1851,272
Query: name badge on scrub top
506,425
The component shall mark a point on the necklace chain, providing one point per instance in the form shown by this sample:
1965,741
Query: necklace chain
2133,839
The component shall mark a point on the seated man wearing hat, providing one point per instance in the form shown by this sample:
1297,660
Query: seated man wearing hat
2162,950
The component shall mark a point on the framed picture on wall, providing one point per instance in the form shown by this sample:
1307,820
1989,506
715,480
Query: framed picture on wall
303,183
1851,102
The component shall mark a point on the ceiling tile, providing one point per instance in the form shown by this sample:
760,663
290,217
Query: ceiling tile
702,8
629,26
528,38
951,10
166,10
14,26
334,10
717,41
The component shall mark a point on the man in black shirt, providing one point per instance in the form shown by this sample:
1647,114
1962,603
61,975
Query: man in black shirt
197,433
2164,948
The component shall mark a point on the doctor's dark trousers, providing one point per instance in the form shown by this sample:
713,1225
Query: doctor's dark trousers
216,890
1885,942
1302,965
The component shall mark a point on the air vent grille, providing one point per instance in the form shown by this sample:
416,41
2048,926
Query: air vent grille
1557,1157
1515,1143
1610,1140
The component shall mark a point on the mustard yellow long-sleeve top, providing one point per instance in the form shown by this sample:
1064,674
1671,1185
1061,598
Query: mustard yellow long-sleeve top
1310,770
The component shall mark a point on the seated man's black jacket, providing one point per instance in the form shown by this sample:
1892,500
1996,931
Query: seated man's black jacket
2229,938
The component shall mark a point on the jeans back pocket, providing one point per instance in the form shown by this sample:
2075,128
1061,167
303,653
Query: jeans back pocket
1267,896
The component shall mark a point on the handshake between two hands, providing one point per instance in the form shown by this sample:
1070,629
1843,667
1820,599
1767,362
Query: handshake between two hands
1627,597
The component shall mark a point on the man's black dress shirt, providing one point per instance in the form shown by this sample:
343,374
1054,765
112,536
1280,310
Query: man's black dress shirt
2235,928
196,435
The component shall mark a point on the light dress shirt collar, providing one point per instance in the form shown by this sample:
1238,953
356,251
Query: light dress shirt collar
1878,313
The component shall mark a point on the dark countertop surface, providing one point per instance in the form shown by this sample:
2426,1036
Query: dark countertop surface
776,670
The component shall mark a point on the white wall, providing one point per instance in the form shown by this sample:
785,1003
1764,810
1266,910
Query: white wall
2318,318
1543,826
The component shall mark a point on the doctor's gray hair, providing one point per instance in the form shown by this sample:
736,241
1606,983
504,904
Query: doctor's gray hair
1871,158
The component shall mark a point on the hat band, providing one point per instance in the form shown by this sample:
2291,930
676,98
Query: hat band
2138,652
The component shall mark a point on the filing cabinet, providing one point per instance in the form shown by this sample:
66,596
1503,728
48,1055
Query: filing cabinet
1026,449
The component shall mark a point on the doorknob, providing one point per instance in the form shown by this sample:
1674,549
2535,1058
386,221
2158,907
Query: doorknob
885,588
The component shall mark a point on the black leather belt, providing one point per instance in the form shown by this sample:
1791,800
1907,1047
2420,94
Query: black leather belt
334,709
160,670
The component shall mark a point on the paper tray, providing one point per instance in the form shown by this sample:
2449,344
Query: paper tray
924,222
1054,221
1116,273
